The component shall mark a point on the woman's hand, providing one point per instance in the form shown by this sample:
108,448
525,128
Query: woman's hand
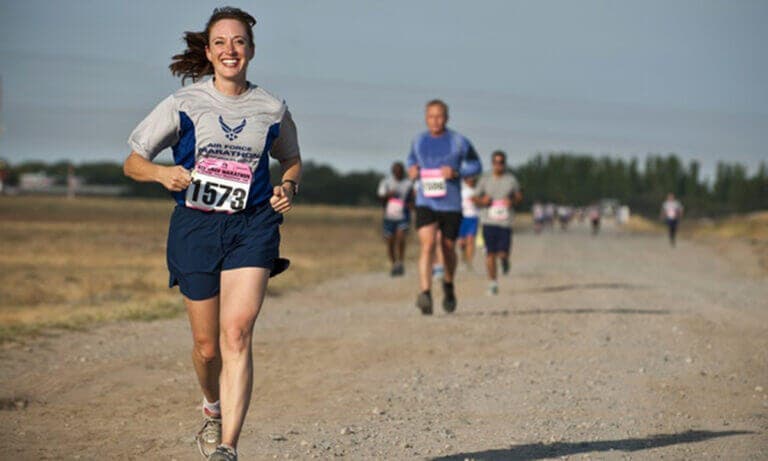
174,178
282,199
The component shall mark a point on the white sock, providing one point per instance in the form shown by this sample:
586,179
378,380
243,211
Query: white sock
213,408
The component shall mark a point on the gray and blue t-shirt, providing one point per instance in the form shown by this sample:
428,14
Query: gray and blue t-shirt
198,122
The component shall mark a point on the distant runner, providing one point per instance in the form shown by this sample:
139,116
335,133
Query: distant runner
594,218
470,220
396,193
497,192
438,158
538,217
672,212
564,216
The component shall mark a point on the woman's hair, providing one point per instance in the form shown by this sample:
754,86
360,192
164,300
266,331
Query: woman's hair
193,63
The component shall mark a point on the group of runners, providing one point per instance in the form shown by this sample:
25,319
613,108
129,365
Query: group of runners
224,239
452,199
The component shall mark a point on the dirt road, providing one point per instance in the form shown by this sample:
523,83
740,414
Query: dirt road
614,347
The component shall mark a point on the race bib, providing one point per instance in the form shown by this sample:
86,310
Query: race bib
671,213
498,211
395,210
433,183
219,185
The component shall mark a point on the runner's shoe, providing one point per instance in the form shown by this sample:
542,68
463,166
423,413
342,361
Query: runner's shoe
505,266
449,299
493,289
424,302
209,436
223,453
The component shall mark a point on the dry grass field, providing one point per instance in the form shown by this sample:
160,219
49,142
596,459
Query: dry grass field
71,263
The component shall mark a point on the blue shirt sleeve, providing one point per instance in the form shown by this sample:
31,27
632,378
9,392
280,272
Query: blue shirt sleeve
470,161
411,160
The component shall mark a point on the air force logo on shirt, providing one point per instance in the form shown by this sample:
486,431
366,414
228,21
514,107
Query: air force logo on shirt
231,133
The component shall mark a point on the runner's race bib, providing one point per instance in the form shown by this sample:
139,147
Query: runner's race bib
433,183
219,185
671,213
498,211
395,210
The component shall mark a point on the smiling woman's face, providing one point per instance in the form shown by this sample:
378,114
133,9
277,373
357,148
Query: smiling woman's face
229,49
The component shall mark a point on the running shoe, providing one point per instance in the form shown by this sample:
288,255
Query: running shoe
493,289
223,453
209,436
449,300
424,302
505,266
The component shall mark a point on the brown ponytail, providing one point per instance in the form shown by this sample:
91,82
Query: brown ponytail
193,63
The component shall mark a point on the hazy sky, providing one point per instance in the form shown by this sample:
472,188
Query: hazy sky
603,77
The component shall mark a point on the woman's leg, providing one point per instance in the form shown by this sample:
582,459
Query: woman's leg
242,293
206,357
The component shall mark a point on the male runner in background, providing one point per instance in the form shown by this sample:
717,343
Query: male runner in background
396,194
671,212
497,192
439,157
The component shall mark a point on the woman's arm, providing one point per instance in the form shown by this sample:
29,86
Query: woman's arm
282,198
174,178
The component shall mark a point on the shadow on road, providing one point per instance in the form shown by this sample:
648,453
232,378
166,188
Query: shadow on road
584,286
553,450
507,312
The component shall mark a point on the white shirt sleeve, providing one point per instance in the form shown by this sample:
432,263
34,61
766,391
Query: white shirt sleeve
382,192
158,131
286,146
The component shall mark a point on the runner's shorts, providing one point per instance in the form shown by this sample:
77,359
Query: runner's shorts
202,244
497,239
447,221
390,226
468,227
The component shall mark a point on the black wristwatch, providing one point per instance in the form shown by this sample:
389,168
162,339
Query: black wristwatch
294,186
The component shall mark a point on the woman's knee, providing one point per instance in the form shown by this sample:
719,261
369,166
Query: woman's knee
207,349
235,338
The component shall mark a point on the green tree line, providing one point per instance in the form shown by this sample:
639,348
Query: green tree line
570,178
561,177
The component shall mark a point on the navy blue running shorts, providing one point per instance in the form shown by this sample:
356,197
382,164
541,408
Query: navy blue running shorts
497,239
202,244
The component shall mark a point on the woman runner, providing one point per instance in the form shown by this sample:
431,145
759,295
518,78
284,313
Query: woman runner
223,240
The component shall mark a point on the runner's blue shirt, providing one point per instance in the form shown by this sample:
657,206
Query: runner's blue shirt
449,149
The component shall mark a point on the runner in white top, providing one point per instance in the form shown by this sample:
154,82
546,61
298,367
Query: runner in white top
396,194
223,240
671,213
470,220
538,217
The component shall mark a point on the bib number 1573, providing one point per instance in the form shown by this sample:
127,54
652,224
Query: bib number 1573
219,185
